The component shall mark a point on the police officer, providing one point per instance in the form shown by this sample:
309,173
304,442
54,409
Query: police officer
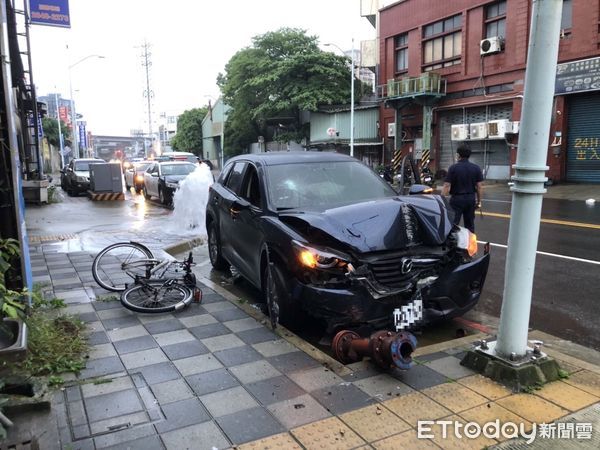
464,182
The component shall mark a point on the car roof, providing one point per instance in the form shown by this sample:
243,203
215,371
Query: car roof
277,158
174,162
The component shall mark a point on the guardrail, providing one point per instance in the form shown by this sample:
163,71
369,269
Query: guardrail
428,83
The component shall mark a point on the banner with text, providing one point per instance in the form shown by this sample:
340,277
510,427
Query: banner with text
53,13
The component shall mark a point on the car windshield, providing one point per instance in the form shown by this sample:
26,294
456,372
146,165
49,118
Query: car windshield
324,184
84,166
178,169
141,167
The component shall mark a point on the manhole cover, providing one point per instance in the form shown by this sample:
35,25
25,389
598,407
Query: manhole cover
109,405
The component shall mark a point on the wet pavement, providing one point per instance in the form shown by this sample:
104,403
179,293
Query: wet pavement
215,376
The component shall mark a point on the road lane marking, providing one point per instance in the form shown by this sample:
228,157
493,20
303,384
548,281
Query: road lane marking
552,221
555,255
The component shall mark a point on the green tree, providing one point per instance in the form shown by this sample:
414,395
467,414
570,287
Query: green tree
189,131
268,84
50,127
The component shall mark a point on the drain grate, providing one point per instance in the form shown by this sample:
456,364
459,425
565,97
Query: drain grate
109,405
51,238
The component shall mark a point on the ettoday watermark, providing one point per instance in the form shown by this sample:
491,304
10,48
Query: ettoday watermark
426,429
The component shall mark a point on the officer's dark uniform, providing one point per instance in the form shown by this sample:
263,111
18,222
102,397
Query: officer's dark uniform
463,178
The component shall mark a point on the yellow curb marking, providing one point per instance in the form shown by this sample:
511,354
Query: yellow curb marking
586,381
532,408
282,440
328,433
552,221
566,396
408,439
454,396
486,387
416,406
452,442
374,422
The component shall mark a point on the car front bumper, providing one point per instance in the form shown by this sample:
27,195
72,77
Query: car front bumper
453,293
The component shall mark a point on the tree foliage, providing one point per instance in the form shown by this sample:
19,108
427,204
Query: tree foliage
50,127
268,84
189,131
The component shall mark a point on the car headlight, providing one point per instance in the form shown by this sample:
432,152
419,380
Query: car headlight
314,258
172,185
466,240
82,179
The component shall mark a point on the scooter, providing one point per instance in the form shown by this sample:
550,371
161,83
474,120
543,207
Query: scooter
426,175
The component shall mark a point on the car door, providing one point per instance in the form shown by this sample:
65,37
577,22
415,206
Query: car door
247,236
152,189
147,177
227,226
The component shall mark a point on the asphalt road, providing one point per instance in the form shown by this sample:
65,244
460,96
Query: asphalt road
566,290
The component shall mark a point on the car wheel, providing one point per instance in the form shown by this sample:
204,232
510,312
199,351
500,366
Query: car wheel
214,248
146,194
162,197
281,307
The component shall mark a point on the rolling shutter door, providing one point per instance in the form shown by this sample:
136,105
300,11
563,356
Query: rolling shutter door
490,154
583,146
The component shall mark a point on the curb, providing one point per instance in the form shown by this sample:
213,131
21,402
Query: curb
183,246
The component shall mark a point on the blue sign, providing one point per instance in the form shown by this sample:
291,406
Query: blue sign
82,135
54,13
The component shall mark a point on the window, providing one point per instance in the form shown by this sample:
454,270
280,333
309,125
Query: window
251,190
495,19
401,45
234,181
567,15
443,43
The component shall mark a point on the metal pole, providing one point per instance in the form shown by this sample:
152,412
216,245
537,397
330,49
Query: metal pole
73,118
352,102
529,178
35,118
60,136
222,133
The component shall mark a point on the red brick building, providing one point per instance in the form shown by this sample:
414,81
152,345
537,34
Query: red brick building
449,63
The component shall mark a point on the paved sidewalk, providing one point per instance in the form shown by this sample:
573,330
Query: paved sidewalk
213,376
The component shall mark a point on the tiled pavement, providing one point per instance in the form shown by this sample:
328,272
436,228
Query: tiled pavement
211,376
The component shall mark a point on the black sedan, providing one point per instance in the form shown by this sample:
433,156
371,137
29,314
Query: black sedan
323,236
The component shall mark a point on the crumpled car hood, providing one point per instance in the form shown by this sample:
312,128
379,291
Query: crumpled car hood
386,224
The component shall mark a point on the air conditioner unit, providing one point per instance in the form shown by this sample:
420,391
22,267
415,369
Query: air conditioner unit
391,130
459,132
478,130
513,127
497,129
491,45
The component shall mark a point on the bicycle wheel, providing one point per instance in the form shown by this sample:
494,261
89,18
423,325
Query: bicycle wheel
108,268
155,296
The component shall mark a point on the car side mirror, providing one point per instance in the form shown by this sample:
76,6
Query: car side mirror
417,189
153,174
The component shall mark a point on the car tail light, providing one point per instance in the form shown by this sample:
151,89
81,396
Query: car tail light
472,249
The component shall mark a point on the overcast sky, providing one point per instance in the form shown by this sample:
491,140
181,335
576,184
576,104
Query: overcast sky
191,40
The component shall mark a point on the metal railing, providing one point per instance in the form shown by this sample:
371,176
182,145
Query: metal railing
428,83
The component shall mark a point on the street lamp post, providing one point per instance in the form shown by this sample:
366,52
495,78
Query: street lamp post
351,93
76,152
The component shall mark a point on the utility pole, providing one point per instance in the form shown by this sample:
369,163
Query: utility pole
148,92
509,359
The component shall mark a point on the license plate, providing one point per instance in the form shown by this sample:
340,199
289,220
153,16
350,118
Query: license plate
408,315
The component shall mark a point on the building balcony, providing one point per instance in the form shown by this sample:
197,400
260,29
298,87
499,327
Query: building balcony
428,86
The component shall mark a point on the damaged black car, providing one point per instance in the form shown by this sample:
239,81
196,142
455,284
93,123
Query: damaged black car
324,237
